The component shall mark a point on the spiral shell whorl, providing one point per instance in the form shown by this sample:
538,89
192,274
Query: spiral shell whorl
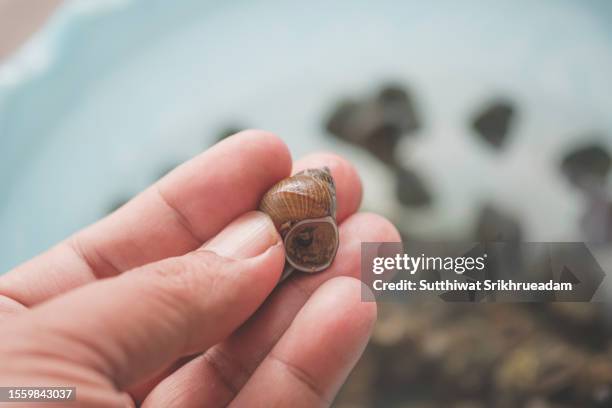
308,194
303,209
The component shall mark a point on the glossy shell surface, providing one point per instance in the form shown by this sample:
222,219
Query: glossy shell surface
303,209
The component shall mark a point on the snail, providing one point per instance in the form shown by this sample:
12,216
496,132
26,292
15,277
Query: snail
303,209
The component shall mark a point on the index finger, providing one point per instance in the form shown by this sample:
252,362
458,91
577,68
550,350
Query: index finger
172,217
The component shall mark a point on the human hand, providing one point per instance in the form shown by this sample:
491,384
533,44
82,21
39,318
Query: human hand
171,300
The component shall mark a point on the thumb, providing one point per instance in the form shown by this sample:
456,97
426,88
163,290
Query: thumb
128,326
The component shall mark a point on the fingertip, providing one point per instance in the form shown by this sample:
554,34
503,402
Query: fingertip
255,277
269,265
356,315
385,229
266,143
369,305
349,189
246,236
372,228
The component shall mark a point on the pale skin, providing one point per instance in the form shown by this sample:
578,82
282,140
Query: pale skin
172,300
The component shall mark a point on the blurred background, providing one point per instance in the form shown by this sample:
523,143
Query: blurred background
474,120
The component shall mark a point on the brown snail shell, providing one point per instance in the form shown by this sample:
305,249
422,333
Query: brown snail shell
303,209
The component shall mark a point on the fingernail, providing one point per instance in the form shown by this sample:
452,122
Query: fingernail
248,236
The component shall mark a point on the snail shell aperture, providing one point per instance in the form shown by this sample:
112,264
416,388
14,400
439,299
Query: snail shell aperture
303,209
